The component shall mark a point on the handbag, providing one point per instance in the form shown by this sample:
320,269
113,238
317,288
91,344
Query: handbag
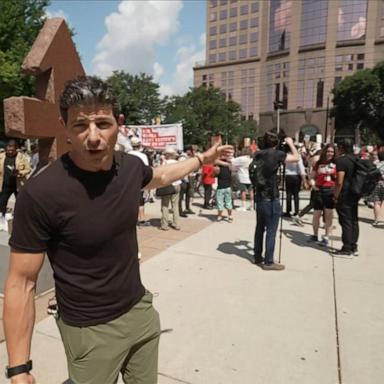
166,191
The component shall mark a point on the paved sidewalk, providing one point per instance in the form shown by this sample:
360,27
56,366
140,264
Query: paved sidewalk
229,322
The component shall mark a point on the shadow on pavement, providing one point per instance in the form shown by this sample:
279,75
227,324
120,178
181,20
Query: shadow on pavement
239,248
303,239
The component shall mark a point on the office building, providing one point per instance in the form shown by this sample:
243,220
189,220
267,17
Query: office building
291,51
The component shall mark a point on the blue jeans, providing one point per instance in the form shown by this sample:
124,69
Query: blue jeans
268,213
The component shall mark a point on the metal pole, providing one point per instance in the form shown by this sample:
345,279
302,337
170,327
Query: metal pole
278,119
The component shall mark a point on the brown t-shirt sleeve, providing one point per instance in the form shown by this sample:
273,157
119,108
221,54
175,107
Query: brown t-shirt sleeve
31,229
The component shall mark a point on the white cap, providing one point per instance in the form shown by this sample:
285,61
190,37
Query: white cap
135,141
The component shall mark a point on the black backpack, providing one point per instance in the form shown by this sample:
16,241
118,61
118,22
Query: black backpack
365,177
256,172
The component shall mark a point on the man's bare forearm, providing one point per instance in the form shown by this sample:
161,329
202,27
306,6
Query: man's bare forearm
19,319
166,174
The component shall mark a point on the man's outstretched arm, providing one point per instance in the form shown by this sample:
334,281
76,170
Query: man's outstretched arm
166,174
19,308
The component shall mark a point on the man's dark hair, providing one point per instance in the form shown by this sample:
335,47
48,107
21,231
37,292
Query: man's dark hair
12,142
270,139
87,90
345,145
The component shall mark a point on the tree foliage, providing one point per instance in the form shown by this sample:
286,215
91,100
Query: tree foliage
20,23
359,102
138,95
204,112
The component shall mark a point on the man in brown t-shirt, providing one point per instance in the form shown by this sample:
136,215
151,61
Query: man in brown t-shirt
69,211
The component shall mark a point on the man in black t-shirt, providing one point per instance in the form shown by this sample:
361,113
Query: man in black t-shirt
268,208
346,202
82,212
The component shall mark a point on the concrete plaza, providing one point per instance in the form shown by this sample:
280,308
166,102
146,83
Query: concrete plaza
229,322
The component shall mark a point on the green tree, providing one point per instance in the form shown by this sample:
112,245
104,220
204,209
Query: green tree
359,102
203,112
138,95
20,23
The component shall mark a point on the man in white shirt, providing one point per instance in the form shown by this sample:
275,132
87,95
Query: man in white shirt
241,165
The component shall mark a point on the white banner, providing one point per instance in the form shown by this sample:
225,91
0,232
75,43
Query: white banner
160,136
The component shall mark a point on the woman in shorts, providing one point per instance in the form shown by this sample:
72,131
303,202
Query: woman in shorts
323,182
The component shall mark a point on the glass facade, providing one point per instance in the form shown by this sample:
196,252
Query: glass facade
280,25
351,19
314,14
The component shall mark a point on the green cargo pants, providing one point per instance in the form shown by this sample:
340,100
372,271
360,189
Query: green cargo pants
128,344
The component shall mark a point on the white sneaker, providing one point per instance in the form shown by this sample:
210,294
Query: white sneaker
241,209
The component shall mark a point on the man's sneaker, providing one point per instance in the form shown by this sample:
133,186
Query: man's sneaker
273,267
355,252
296,219
259,260
325,241
343,253
189,212
241,209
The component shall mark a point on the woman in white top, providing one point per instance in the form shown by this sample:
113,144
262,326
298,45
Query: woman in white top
241,166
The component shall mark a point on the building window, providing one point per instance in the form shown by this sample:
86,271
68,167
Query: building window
232,55
311,66
223,28
280,25
351,19
212,31
222,56
338,80
300,94
223,2
243,24
213,16
244,9
254,22
242,53
222,43
233,12
308,98
360,56
253,51
254,7
212,58
319,94
213,3
243,39
232,41
212,44
314,15
360,66
285,96
254,36
232,27
223,14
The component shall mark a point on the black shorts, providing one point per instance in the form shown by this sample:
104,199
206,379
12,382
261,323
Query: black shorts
323,198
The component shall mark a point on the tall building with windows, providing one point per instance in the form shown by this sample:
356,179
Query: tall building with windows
292,51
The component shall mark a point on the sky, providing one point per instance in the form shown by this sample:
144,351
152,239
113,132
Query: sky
157,37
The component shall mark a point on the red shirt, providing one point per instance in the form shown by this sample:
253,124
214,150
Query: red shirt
208,174
325,175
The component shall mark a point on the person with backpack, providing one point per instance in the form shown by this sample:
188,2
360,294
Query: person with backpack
263,174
